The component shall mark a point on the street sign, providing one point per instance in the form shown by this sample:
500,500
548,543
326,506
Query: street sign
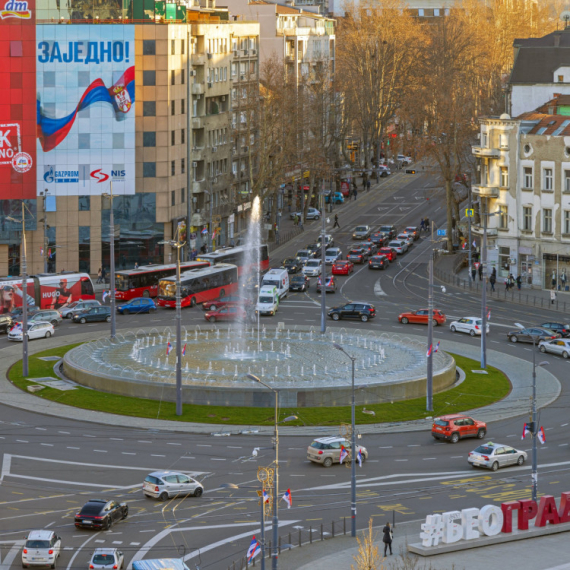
469,212
441,232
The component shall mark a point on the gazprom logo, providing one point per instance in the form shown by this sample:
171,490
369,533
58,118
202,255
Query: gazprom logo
14,9
61,176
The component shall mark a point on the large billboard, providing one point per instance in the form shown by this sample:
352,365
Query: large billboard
85,78
17,106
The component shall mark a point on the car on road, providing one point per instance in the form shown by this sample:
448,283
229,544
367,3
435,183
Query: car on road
326,450
6,323
303,255
404,160
399,246
356,310
527,335
315,249
413,230
227,301
390,253
357,255
330,284
228,314
421,316
560,347
329,241
292,265
383,171
93,315
313,268
457,426
361,232
370,247
299,283
338,198
312,214
35,331
408,238
469,325
100,513
107,558
342,267
166,484
378,262
77,307
495,455
137,305
561,329
332,255
42,548
377,238
389,231
46,316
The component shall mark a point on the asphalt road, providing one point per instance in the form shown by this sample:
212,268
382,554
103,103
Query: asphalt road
51,466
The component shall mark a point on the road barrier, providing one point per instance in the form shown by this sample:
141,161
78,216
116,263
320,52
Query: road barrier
282,238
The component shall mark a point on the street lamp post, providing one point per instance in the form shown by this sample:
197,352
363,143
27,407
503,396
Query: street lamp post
353,446
44,220
323,265
484,293
112,260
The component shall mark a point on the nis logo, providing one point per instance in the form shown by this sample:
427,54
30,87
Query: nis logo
13,9
101,176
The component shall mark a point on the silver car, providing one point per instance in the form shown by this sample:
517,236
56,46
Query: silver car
42,548
109,558
331,255
166,484
495,455
312,268
469,325
361,232
560,346
408,238
78,307
399,246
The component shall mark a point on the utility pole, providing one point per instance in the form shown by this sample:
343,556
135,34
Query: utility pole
484,291
45,233
112,255
323,265
429,352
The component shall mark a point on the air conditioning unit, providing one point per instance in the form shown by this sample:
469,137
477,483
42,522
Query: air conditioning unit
194,165
214,149
223,97
192,73
210,55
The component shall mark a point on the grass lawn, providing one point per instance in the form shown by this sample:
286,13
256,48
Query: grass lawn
476,391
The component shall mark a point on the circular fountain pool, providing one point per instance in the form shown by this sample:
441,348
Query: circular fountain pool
301,363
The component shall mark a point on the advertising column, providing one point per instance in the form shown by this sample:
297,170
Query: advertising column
17,104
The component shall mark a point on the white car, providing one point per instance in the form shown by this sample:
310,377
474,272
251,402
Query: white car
107,558
559,346
329,240
312,268
405,160
42,548
400,246
469,325
408,238
383,171
35,330
312,214
333,254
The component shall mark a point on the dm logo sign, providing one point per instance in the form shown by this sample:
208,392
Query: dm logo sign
13,9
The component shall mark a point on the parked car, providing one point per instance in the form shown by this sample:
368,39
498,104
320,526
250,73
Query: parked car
42,548
383,171
6,323
95,314
332,255
469,325
378,262
561,329
527,335
292,264
107,558
330,284
227,301
338,198
390,253
357,310
228,314
341,267
100,513
312,268
495,455
559,346
357,255
454,427
46,316
361,232
421,317
77,307
35,331
299,283
312,214
404,160
165,484
137,305
326,450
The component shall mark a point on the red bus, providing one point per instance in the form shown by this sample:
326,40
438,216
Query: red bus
46,290
143,282
199,285
237,256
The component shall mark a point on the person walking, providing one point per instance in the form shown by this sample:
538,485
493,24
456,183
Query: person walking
426,222
387,538
368,185
552,296
336,224
100,275
519,282
492,280
473,272
355,193
480,270
104,275
422,225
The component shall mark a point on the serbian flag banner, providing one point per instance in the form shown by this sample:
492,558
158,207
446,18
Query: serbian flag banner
265,496
428,353
343,454
204,231
359,457
437,346
105,295
474,243
168,348
489,315
541,435
253,550
184,350
288,499
464,245
526,431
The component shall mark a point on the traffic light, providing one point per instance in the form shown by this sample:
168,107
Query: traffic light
393,135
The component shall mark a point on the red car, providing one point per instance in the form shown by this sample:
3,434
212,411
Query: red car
421,317
342,267
228,301
388,252
457,426
228,314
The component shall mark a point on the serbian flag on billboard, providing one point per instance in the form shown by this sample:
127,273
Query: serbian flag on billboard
343,454
168,348
526,431
184,350
253,550
541,435
428,353
265,496
288,499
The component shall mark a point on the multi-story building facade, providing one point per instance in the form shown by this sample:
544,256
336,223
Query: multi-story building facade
146,114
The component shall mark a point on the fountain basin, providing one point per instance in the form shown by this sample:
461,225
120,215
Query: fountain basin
299,362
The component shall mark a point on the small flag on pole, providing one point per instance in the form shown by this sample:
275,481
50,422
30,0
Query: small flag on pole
105,295
489,314
428,353
463,245
474,243
204,231
359,457
526,431
288,499
541,435
265,496
168,348
253,550
343,454
437,346
184,350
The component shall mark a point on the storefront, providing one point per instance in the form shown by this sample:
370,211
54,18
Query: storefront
556,271
526,260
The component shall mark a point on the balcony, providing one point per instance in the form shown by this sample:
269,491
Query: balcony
489,191
302,31
198,186
290,57
484,152
197,219
198,122
478,230
198,88
199,59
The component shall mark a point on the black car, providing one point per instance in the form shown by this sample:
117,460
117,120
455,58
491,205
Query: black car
6,323
96,314
526,335
563,330
378,262
299,283
358,310
315,249
292,265
377,238
98,513
390,231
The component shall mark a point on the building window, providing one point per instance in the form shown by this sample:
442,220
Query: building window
567,181
149,47
547,221
173,107
182,77
527,218
484,140
149,77
172,77
182,137
504,141
182,107
567,222
172,47
504,177
149,138
183,195
173,198
149,108
84,249
183,166
528,178
503,217
182,47
172,167
548,182
149,169
561,79
84,203
172,138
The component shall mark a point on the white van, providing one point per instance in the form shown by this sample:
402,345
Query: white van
278,278
268,301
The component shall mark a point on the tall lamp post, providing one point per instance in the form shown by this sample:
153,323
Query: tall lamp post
24,270
178,245
353,446
323,264
44,220
112,259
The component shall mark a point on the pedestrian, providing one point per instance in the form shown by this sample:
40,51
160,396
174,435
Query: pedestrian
422,225
507,284
136,264
368,185
519,282
511,281
355,193
100,275
480,270
296,220
336,224
473,272
387,538
104,275
552,296
426,222
492,281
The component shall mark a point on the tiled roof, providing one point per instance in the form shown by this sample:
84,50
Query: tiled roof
537,65
286,10
556,125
